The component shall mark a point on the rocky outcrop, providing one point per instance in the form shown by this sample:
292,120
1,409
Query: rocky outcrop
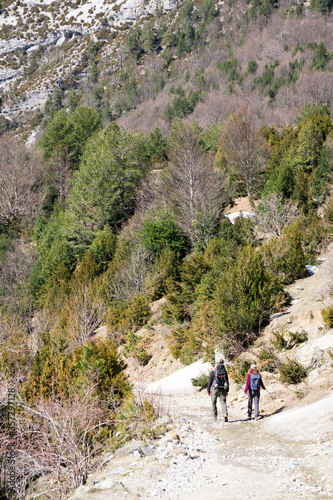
65,22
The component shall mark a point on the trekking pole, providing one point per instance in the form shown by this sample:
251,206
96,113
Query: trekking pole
272,399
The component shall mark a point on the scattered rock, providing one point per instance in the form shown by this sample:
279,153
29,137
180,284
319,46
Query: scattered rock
106,484
108,458
178,451
80,491
172,435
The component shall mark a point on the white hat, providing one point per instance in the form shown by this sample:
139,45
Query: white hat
253,367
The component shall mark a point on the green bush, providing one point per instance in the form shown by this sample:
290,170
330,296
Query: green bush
244,295
135,347
238,371
285,256
56,256
327,315
298,338
322,6
166,267
200,381
252,66
185,344
175,309
279,342
192,271
103,247
138,312
292,372
57,371
162,231
267,362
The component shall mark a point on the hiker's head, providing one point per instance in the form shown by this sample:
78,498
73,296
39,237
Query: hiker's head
254,368
221,362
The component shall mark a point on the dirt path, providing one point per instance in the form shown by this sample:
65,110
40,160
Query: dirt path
248,462
202,460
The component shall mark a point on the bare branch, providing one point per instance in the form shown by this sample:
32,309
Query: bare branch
85,313
274,214
20,193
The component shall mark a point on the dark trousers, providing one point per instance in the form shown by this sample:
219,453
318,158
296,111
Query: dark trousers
222,396
253,395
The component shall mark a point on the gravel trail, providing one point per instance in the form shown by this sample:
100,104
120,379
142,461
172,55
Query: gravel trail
204,460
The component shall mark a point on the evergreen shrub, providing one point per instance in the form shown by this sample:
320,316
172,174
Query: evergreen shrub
267,362
285,256
298,338
200,381
238,371
185,344
244,295
292,372
279,342
327,315
135,347
162,231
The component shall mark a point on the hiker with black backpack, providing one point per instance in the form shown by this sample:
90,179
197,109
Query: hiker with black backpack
253,384
218,387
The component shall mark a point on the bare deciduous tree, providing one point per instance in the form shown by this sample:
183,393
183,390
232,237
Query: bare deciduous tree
14,340
275,213
19,190
55,438
85,313
15,271
192,187
132,279
243,148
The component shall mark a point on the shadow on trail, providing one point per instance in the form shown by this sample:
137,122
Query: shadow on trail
279,410
275,412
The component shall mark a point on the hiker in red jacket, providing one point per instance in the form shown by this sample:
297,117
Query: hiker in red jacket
253,384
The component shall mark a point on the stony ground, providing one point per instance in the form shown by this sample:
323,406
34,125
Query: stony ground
201,459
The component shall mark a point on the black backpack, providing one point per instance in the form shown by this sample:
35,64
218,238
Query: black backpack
220,379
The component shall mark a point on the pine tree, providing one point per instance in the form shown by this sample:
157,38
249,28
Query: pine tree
168,38
321,57
148,38
104,188
244,297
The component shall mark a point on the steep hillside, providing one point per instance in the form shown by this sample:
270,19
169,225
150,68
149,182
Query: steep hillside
309,296
165,194
164,60
292,443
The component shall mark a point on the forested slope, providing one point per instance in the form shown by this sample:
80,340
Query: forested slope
121,200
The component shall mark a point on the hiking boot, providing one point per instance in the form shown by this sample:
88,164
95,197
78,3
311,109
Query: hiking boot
257,418
226,418
214,419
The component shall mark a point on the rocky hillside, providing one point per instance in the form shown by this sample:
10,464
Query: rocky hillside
44,45
148,62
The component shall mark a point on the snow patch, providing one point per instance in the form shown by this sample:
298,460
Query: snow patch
311,270
232,217
304,423
180,382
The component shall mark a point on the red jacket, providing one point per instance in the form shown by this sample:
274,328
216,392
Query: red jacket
247,385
